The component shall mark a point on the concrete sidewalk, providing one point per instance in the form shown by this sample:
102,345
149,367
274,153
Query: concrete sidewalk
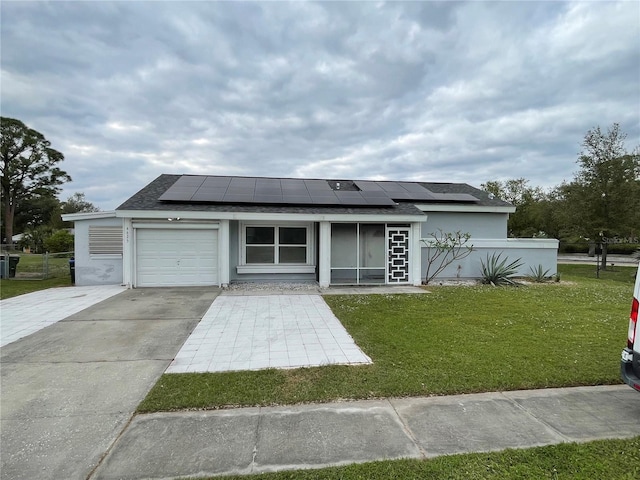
253,440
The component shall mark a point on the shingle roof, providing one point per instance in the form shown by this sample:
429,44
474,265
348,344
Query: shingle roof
485,198
148,199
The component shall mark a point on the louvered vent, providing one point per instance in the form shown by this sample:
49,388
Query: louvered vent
105,240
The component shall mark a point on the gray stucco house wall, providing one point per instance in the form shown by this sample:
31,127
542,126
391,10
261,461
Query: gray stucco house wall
488,232
96,267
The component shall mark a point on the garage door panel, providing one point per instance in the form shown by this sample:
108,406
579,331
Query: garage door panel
176,257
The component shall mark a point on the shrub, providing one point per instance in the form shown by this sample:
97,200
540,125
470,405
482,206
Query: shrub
444,248
622,248
59,241
497,272
538,275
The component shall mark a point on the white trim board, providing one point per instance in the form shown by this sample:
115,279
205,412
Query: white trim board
464,208
271,217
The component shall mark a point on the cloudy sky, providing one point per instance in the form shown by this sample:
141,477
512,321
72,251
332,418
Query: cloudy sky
451,91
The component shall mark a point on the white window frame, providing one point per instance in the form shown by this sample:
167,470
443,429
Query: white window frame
276,267
105,241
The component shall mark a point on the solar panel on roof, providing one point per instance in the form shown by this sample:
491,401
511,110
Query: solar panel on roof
268,190
374,194
186,180
179,193
302,199
391,187
260,198
317,185
208,196
367,186
295,191
237,198
326,201
413,187
179,196
217,182
216,189
292,181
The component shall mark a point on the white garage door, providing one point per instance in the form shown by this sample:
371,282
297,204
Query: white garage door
176,257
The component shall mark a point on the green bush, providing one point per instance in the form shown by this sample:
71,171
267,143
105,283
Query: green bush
622,248
570,246
59,241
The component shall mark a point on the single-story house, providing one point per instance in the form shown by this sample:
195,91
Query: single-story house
183,230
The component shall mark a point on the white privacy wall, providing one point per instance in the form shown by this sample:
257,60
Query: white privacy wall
532,252
488,236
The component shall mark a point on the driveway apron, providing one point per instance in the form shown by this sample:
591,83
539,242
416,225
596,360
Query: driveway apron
70,389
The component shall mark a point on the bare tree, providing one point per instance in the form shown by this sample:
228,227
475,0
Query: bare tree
444,248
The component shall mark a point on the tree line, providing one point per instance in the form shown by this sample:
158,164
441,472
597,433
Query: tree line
600,205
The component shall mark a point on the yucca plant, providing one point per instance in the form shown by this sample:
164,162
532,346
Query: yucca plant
496,271
538,275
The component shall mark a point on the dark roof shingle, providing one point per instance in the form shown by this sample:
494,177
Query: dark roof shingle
148,199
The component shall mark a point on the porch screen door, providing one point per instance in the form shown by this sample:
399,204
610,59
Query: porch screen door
398,265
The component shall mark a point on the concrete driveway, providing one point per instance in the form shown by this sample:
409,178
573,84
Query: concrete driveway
69,389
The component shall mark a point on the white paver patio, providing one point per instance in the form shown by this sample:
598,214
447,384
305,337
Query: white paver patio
25,314
254,332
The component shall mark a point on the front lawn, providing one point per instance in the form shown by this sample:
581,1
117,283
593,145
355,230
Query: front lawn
602,459
12,287
31,270
453,340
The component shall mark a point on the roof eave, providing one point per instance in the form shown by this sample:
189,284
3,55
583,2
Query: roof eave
432,207
266,216
72,217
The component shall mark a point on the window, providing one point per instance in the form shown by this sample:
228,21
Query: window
105,240
276,245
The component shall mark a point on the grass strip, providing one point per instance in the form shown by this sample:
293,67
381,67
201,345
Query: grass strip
12,287
601,459
455,340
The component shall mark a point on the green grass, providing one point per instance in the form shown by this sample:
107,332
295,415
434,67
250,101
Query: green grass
29,274
453,340
11,288
58,264
622,274
602,459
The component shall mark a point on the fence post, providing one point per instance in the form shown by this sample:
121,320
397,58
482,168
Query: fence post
45,266
5,265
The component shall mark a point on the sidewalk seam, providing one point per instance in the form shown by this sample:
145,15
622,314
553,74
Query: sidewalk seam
110,447
255,442
407,429
539,420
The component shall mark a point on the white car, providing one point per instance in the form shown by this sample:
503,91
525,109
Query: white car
630,364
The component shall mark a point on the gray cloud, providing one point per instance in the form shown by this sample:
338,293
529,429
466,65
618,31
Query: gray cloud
437,91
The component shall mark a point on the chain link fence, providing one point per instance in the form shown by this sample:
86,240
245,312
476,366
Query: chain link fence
20,265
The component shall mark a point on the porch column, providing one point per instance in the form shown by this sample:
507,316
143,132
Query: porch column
128,264
324,255
223,253
416,254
